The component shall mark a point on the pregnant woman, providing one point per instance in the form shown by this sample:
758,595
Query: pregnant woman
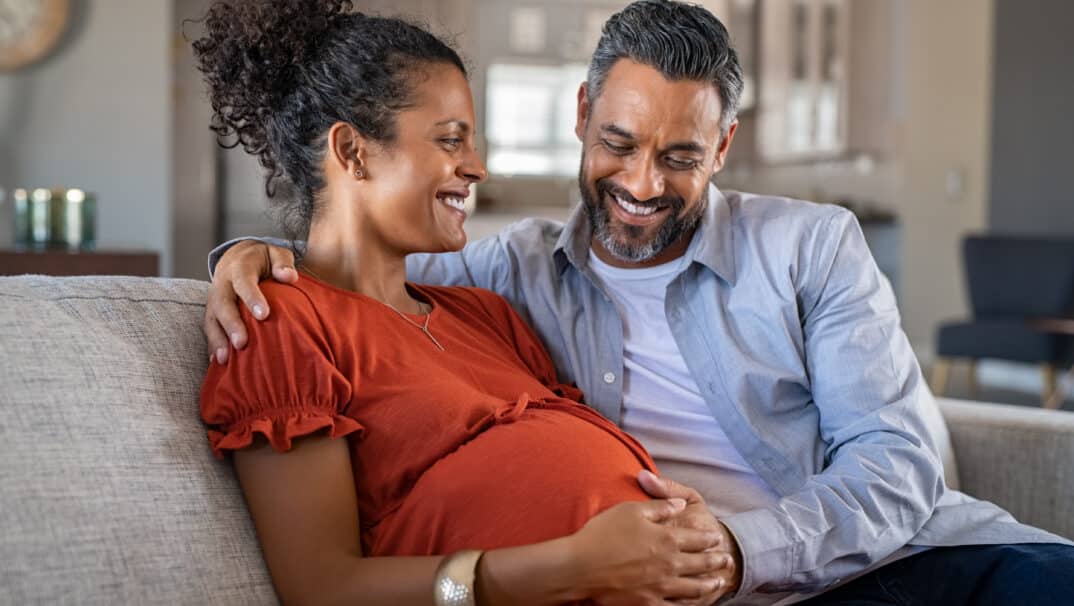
397,443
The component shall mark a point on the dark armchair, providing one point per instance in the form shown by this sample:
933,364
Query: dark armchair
1012,281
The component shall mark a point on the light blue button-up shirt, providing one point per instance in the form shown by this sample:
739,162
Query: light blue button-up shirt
794,340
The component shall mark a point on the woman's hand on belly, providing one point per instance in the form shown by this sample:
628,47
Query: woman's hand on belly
632,554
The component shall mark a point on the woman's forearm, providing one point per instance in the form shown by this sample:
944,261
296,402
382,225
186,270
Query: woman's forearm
530,575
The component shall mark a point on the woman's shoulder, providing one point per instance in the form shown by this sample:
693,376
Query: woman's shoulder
468,296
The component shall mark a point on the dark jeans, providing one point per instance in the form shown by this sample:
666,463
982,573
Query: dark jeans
1007,575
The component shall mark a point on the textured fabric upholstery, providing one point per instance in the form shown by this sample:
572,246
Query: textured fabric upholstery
1021,459
109,492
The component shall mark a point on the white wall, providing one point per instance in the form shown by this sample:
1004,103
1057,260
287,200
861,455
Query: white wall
944,140
97,115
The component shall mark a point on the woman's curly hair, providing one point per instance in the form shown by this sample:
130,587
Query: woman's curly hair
281,72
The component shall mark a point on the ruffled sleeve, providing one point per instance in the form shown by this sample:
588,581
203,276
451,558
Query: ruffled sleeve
283,385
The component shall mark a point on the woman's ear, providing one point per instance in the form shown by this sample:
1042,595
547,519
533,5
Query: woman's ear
347,150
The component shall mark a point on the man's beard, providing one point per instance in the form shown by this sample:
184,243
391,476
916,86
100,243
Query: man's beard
622,240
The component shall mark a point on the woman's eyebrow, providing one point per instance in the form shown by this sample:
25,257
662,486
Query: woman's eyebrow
462,125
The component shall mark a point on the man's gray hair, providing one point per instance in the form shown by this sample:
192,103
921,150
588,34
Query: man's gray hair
683,41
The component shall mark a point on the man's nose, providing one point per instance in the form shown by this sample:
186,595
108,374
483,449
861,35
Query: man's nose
643,181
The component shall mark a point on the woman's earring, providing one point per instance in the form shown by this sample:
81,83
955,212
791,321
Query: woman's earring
359,173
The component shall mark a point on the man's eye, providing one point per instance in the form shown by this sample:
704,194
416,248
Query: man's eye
451,142
681,164
616,149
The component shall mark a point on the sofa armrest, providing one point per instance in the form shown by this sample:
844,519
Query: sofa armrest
1019,458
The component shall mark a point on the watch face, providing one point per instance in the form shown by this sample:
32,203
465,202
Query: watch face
29,29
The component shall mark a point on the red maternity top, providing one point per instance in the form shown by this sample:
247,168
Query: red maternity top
478,446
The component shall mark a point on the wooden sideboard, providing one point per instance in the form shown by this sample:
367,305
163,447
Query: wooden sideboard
79,262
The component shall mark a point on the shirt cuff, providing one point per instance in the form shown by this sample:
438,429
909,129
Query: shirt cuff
216,253
767,549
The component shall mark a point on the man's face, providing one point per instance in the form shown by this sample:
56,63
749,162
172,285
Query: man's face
649,147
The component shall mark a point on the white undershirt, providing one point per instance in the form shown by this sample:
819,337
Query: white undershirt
662,406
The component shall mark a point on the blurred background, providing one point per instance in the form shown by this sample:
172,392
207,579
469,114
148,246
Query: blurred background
932,121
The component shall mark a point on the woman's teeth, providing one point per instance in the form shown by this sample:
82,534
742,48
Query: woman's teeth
634,209
456,203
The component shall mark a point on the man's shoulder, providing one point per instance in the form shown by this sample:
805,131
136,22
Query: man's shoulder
781,215
532,232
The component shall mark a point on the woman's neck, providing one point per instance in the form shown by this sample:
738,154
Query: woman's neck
341,255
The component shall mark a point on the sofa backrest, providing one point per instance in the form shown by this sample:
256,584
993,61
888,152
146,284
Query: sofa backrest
108,491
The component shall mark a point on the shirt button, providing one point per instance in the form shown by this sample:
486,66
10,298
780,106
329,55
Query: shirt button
609,377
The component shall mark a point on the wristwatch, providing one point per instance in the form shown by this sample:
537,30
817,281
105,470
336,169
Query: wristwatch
454,582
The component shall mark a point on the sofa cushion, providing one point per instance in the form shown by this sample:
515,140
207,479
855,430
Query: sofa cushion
110,494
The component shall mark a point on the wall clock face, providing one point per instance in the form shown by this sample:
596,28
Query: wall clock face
29,29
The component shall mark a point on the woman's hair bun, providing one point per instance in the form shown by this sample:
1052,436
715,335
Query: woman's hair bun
252,54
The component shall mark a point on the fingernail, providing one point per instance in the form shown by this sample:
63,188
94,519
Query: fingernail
235,339
221,355
259,312
211,358
677,503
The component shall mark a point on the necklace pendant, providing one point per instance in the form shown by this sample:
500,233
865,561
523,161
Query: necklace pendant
432,338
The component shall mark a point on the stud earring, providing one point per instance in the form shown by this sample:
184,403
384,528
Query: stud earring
359,173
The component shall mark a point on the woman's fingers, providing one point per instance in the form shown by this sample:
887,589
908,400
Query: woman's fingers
664,488
659,510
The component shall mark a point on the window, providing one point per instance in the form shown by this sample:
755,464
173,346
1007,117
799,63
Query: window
530,115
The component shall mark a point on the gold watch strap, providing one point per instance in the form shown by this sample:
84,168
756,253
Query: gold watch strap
454,584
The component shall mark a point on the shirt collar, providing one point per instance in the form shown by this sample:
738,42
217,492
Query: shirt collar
712,245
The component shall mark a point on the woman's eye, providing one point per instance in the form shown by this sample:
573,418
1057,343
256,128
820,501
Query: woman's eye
451,142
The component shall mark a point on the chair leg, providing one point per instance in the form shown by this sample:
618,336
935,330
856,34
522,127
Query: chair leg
973,379
1051,386
941,371
1055,400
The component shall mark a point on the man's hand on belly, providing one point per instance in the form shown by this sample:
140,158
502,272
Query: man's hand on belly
697,515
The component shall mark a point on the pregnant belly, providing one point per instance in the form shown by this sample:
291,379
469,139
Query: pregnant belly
539,477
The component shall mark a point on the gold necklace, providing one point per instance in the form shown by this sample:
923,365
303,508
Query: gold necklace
422,327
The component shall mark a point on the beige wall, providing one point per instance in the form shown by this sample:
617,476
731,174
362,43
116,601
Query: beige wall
95,115
944,142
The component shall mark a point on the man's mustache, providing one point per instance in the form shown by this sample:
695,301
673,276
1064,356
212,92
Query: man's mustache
606,186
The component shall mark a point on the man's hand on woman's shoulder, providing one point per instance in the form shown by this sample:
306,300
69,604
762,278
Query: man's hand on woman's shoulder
236,277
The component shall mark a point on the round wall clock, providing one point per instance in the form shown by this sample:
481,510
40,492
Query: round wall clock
29,29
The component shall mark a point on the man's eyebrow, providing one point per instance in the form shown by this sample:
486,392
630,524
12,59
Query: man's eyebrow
687,146
617,131
681,146
462,125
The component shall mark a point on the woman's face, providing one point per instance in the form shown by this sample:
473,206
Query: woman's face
415,186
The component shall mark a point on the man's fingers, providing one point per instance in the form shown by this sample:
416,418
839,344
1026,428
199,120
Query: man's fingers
216,339
249,291
686,587
226,309
282,262
664,488
693,540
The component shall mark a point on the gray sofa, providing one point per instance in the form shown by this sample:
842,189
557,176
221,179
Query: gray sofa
109,494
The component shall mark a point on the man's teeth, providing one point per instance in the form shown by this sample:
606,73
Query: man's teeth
456,203
634,209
